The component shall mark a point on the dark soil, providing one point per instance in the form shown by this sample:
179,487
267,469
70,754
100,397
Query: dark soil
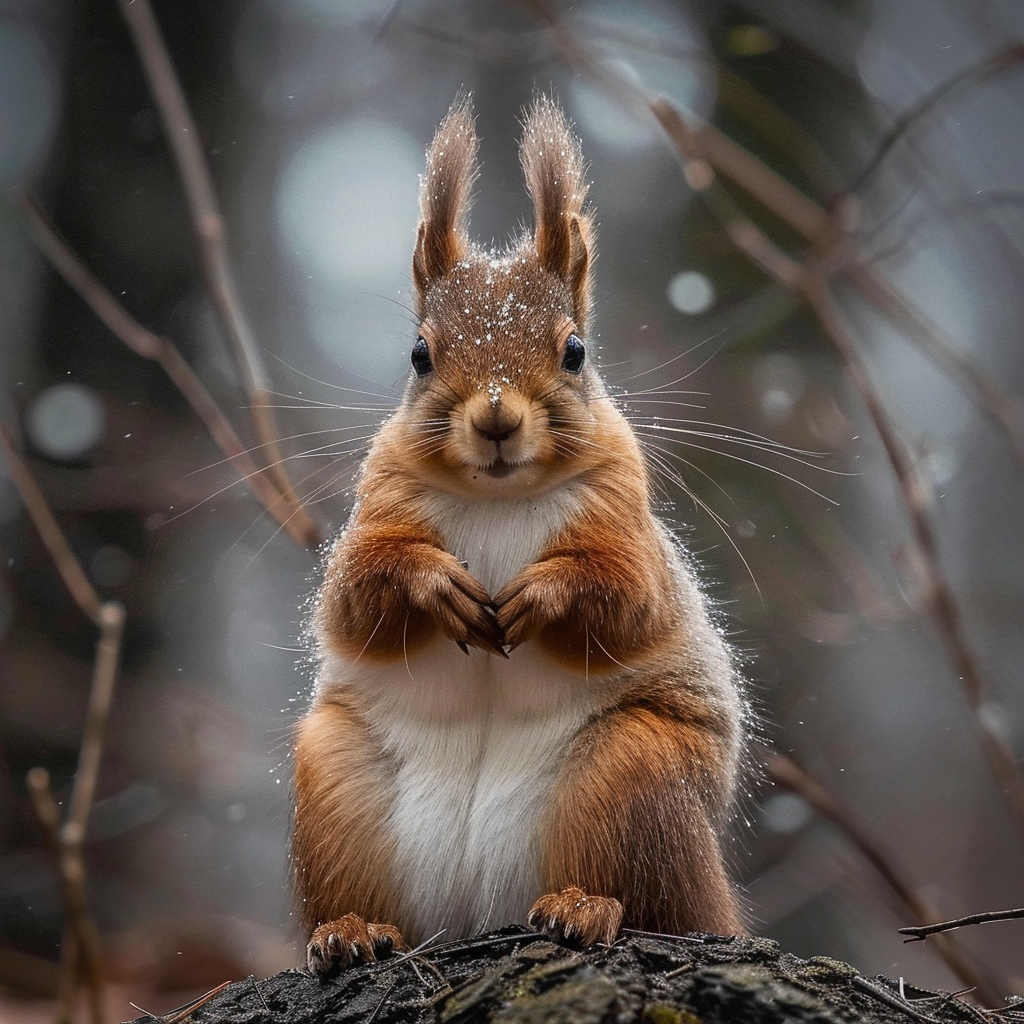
515,976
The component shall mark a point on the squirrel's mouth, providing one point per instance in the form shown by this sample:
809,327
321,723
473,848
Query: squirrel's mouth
499,469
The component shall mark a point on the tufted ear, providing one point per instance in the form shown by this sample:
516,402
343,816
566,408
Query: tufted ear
553,164
444,196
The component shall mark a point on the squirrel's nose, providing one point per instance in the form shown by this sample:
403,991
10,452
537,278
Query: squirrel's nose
497,423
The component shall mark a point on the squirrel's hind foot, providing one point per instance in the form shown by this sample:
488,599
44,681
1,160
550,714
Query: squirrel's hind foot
349,940
573,917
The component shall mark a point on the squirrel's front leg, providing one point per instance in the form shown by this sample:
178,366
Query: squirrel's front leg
386,591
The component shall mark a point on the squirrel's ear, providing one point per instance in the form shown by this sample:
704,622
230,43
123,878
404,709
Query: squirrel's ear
444,196
555,176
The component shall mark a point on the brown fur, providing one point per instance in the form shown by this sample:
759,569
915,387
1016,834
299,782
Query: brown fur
555,177
348,940
643,788
444,196
390,587
340,853
638,813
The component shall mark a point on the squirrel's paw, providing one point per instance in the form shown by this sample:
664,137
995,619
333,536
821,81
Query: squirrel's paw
573,917
535,598
464,609
349,940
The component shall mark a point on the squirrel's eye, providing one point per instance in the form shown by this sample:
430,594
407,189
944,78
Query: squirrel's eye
575,353
421,358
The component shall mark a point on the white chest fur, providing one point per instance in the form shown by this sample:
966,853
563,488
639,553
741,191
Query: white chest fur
476,741
498,538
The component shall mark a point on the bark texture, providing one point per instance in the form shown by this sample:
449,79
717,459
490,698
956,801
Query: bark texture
517,977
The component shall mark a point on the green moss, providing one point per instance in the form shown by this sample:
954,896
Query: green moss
661,1013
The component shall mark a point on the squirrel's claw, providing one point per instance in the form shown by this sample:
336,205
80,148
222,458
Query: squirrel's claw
466,613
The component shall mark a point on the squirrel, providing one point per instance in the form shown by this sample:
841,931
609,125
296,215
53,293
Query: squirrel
523,708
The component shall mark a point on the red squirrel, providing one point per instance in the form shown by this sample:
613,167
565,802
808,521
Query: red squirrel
523,709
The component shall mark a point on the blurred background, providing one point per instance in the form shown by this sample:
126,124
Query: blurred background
314,116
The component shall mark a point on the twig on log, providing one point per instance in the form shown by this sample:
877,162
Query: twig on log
383,999
209,227
259,992
918,933
179,1014
289,513
890,999
786,772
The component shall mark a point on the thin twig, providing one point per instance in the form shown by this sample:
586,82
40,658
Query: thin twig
972,75
1004,409
209,226
918,933
784,771
82,591
383,1000
75,951
108,650
256,985
81,943
890,999
71,871
704,146
817,227
181,1013
290,514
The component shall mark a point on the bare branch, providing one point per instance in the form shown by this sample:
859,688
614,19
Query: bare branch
1006,410
108,651
972,75
936,595
937,599
81,943
752,175
209,227
288,512
706,148
85,948
919,933
82,591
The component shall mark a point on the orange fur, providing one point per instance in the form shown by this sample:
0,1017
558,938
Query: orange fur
638,811
506,506
340,853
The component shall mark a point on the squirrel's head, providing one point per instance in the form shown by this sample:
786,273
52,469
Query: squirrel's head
503,398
